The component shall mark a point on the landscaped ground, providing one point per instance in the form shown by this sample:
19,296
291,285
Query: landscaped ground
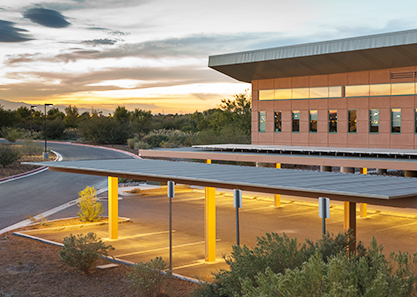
33,268
17,168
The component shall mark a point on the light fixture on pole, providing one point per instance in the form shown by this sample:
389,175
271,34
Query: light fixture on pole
31,113
45,153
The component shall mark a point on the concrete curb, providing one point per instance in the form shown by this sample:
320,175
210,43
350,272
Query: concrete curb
111,259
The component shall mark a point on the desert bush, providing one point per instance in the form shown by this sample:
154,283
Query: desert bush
90,208
9,154
142,145
10,134
105,130
30,147
341,275
147,279
55,128
278,253
82,252
132,141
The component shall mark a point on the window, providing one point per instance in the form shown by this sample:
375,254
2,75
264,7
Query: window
373,120
262,121
352,120
278,121
394,89
313,121
301,93
395,120
295,121
332,121
415,120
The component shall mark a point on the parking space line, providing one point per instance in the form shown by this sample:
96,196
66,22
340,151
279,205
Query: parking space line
396,227
161,249
139,235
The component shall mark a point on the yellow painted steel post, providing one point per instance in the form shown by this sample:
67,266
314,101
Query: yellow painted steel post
210,222
345,216
363,206
113,207
277,197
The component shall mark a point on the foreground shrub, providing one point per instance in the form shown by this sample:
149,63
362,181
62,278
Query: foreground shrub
30,147
90,208
341,275
9,154
277,253
148,278
10,134
82,252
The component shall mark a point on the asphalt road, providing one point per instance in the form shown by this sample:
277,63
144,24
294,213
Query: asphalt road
35,194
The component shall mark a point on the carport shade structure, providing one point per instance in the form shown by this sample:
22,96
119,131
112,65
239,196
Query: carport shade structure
352,188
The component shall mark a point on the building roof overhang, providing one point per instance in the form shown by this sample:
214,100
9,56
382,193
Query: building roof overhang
381,51
379,190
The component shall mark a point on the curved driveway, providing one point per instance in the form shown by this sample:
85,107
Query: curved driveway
40,192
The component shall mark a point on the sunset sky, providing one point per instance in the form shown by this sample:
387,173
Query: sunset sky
153,54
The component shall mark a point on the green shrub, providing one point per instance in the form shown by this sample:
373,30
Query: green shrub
9,154
341,275
90,208
154,139
132,141
142,145
277,253
82,252
105,130
10,134
147,279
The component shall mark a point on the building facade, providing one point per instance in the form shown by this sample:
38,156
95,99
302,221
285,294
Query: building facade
357,92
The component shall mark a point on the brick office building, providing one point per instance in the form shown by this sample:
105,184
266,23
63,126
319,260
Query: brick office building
356,92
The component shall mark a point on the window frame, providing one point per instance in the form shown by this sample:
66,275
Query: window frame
293,112
310,121
348,118
370,124
259,121
328,122
392,120
275,121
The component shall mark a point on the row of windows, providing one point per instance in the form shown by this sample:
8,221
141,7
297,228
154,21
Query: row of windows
332,121
395,89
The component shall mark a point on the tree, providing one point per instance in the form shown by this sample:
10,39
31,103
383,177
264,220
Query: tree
141,121
71,117
121,114
55,112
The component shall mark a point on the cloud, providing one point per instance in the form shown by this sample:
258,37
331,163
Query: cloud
95,42
9,33
46,17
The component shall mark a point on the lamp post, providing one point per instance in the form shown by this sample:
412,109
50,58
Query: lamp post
31,110
45,153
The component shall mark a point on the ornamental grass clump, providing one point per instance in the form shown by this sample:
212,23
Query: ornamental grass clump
90,208
82,252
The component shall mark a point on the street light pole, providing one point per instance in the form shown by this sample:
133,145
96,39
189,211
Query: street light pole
45,153
31,111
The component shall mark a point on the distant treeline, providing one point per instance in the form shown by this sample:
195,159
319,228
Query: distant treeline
229,123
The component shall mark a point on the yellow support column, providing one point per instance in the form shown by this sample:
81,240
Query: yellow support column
277,197
113,206
363,206
210,222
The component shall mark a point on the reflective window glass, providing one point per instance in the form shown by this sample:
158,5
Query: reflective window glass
319,92
357,91
332,121
266,94
278,121
353,120
313,121
373,120
402,89
300,93
283,94
262,121
395,120
380,90
335,92
295,121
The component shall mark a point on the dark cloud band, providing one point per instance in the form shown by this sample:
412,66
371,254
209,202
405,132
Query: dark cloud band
46,17
9,33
